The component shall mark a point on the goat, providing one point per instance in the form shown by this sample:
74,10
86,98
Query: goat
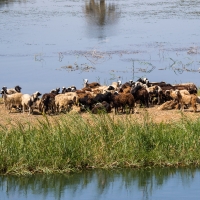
144,81
82,94
162,83
125,90
69,89
83,91
140,94
55,91
64,90
86,102
198,99
114,86
36,103
191,87
47,103
184,99
28,101
101,107
121,100
62,102
173,95
127,84
91,85
12,90
154,92
102,97
73,96
12,100
168,105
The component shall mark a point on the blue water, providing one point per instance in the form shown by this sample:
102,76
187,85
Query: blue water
48,44
145,184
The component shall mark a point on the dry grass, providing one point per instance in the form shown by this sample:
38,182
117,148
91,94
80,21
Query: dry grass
153,114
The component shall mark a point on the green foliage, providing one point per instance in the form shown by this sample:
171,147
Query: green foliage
198,92
101,141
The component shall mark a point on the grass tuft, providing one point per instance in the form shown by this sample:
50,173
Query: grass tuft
74,143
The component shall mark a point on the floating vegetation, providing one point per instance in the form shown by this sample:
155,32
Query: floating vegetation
193,50
82,68
39,57
87,60
150,67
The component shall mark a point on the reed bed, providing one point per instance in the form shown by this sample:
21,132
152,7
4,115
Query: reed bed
74,143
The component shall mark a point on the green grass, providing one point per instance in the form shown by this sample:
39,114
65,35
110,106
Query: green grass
74,143
198,92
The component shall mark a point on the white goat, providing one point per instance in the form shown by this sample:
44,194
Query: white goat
28,100
114,86
72,96
12,90
63,102
102,89
12,100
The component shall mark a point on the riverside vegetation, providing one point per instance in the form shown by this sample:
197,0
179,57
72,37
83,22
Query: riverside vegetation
73,142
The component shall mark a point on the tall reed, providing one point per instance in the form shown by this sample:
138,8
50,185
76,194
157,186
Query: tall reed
98,141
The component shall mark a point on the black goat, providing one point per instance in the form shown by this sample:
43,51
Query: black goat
103,97
140,94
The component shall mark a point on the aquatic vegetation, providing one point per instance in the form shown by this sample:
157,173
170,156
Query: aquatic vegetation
74,143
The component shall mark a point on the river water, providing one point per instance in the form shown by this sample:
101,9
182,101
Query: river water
46,44
148,184
55,43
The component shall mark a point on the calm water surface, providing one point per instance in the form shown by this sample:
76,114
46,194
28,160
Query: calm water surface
146,184
53,43
50,43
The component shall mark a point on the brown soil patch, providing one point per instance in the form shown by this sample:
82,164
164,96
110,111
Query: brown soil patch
7,119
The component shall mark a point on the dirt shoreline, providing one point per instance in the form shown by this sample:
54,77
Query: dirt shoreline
153,113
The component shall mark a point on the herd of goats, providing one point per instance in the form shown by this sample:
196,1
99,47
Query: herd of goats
96,98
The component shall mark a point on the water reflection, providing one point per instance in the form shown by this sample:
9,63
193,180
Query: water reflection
7,2
98,183
101,13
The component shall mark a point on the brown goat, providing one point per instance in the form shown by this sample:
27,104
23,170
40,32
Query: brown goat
190,87
125,90
90,85
121,100
93,85
47,103
84,90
